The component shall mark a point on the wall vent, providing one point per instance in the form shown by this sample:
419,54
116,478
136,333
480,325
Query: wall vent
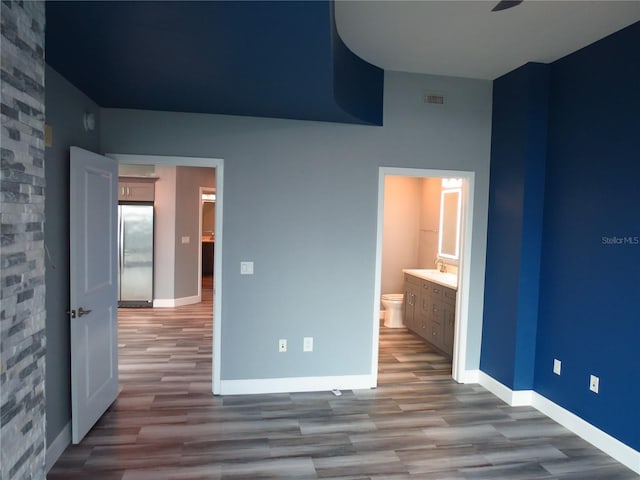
434,98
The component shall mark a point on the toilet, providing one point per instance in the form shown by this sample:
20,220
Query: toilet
393,303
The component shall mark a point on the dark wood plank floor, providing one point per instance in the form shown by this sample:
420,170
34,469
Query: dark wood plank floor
418,424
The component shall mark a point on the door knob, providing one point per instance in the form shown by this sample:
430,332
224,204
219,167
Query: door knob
82,311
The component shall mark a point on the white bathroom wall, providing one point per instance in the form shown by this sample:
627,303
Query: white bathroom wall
402,213
429,222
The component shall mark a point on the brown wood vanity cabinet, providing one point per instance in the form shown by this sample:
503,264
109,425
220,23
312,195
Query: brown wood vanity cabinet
411,299
430,311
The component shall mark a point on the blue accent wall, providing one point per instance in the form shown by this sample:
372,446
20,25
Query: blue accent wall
581,259
281,59
590,289
516,201
358,86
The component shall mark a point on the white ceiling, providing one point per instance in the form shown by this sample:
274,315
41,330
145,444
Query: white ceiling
467,39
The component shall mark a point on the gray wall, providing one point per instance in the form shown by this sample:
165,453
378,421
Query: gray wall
188,183
164,260
301,202
22,274
177,207
65,107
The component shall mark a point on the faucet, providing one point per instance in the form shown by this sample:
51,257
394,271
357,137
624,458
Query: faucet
441,265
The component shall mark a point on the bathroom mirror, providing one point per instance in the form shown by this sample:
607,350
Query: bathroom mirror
449,231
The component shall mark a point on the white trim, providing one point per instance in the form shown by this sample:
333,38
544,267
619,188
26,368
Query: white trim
58,446
175,302
514,398
203,190
296,384
460,343
469,376
461,338
217,281
200,205
218,164
598,438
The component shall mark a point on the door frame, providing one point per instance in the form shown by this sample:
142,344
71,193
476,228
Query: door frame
459,372
218,164
202,190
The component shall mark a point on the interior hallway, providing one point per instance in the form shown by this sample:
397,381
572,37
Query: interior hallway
418,423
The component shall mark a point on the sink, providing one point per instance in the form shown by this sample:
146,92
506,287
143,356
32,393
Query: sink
443,278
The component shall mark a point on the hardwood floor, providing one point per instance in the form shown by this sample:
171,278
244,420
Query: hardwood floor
418,424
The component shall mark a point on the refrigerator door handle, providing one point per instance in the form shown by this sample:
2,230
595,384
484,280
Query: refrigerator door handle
121,242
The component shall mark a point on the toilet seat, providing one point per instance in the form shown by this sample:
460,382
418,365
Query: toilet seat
393,297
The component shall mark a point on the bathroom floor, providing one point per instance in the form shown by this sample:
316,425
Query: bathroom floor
418,423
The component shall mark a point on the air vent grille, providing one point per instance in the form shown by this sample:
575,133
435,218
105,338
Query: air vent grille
434,98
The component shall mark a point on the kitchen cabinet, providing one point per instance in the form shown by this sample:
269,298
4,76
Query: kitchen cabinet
134,189
430,312
207,257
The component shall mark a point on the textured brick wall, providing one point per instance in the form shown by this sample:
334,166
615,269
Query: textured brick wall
22,312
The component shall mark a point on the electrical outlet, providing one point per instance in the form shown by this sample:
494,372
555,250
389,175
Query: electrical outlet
594,383
557,366
282,345
307,344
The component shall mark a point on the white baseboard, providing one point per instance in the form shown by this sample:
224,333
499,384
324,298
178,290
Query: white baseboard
468,376
175,302
296,384
598,438
515,398
61,442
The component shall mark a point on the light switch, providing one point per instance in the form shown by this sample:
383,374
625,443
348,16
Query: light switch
186,239
307,344
246,268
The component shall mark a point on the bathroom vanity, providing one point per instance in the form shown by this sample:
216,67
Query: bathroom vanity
429,306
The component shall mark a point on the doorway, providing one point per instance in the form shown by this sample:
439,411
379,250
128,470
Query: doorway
459,356
207,216
218,165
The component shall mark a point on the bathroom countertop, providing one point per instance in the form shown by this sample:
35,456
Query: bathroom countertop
443,278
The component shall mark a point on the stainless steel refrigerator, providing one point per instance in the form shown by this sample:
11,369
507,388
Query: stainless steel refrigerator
135,255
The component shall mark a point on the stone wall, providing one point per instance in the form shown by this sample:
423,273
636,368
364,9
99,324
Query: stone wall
22,291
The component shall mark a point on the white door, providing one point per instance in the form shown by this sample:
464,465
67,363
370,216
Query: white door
94,283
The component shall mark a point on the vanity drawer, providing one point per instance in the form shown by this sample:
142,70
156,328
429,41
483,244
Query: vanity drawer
425,304
436,290
449,295
411,279
435,333
436,312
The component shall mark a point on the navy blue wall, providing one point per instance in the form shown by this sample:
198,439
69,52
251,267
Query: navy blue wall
589,312
516,201
588,279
